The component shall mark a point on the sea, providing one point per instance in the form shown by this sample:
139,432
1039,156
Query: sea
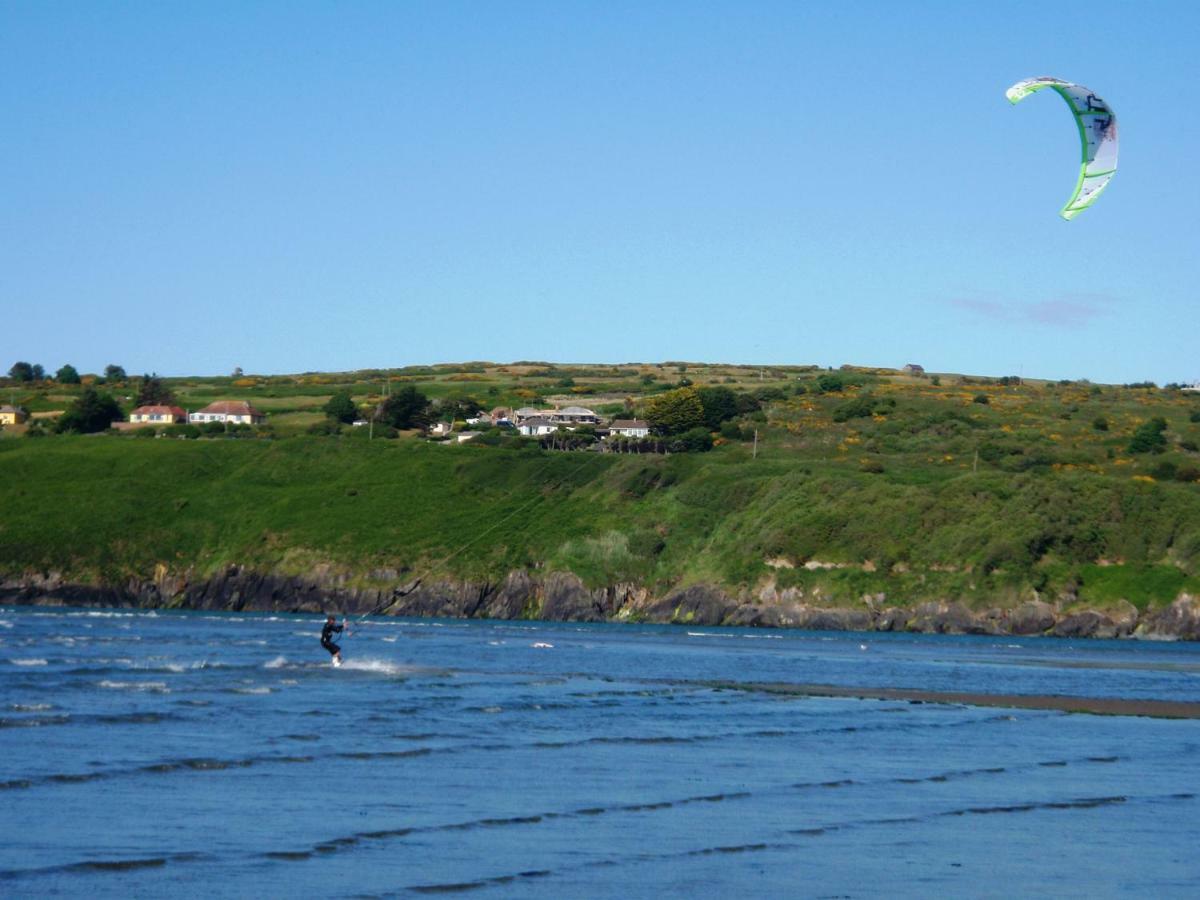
193,754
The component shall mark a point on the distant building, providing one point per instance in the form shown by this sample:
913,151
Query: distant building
237,412
913,369
525,412
157,415
441,429
537,426
12,415
574,415
629,428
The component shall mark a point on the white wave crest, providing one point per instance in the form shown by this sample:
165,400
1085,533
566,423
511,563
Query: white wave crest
157,687
277,663
29,661
252,690
381,666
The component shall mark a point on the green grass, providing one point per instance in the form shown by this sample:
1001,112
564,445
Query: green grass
980,503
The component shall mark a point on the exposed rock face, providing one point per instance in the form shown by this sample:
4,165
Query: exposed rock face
1034,617
1179,620
696,605
563,597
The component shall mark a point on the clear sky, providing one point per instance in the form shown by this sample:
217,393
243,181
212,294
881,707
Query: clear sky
190,187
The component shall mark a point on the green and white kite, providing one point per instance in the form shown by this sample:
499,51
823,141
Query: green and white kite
1097,133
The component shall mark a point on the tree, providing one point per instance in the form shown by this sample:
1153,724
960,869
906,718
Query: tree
720,404
21,371
675,411
1149,437
39,374
67,375
91,412
113,373
152,392
460,407
341,407
404,409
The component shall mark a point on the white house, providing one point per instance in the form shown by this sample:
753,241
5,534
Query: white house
231,411
634,428
537,426
157,415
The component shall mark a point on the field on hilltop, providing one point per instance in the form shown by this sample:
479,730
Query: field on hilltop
841,483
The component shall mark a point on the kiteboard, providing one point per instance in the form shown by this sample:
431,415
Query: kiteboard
337,662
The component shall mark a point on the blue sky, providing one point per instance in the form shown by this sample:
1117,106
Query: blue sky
285,187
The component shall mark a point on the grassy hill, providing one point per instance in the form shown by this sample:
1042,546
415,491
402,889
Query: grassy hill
920,488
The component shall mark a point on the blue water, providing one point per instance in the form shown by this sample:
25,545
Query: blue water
191,754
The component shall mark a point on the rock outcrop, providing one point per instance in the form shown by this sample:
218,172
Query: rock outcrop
564,597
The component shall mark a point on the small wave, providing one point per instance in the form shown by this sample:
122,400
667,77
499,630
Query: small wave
35,721
253,690
156,687
380,666
277,663
30,707
29,661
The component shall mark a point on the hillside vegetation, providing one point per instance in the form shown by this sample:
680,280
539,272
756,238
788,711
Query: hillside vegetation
862,482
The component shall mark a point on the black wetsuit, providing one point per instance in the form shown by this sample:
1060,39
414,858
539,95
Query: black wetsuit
327,638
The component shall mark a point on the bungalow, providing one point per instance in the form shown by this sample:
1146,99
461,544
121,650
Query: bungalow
914,369
575,415
158,415
232,411
12,415
537,426
635,428
526,412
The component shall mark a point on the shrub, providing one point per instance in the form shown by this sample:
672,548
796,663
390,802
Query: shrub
695,440
1149,437
830,384
981,398
1100,423
858,408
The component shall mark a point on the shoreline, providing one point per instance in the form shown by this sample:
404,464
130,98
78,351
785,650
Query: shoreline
563,597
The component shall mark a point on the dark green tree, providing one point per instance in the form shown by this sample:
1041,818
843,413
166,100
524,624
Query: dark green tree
406,408
675,411
152,392
67,375
1149,437
720,405
113,373
91,412
341,407
21,371
830,384
39,374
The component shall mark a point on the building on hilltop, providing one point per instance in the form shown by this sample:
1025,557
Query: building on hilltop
13,415
230,411
913,369
157,415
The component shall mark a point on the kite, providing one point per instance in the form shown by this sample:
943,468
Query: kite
1097,133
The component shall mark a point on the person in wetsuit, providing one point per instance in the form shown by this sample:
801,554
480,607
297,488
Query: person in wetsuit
327,638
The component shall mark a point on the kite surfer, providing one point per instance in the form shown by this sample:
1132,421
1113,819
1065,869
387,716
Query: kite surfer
327,633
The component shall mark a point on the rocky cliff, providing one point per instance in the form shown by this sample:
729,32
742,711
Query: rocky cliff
562,597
